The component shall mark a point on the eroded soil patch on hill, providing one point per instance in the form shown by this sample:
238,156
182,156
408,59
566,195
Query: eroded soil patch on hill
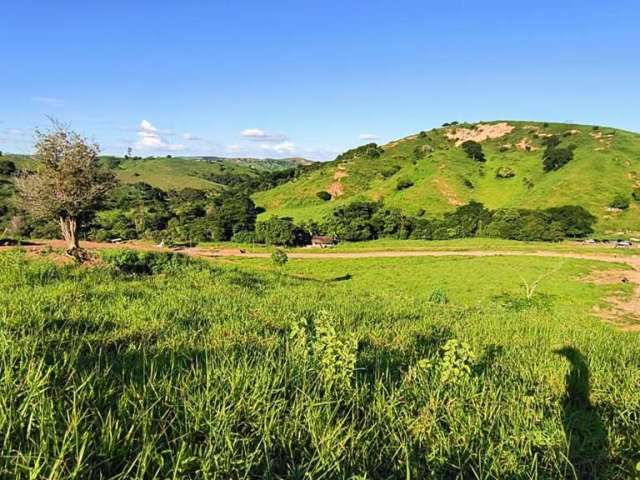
481,133
447,192
336,188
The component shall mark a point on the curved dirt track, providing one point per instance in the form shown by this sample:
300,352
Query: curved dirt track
620,309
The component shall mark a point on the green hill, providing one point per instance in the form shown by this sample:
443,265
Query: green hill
430,171
177,173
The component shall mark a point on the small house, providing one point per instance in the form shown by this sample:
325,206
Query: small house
323,241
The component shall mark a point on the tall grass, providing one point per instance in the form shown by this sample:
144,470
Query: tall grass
217,371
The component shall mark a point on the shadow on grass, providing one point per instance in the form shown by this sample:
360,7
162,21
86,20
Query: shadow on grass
584,429
388,363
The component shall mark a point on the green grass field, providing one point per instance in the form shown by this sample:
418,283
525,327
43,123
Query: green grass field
368,368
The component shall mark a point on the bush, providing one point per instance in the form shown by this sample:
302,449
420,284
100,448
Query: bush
279,257
7,167
391,171
556,158
474,151
244,237
134,262
370,150
505,172
576,221
404,184
620,202
324,196
438,296
280,231
636,194
353,222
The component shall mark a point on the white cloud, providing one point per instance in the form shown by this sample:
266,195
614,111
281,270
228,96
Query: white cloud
49,101
368,136
282,147
149,139
147,126
257,135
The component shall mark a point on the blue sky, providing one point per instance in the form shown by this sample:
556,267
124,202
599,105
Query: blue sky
309,78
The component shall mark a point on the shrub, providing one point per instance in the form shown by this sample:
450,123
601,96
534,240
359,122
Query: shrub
551,142
576,221
620,202
474,151
353,222
469,184
7,167
324,196
279,257
370,150
244,237
391,171
134,262
528,183
404,184
636,194
438,296
505,172
280,231
556,158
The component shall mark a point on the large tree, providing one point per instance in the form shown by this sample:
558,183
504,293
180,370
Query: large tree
69,182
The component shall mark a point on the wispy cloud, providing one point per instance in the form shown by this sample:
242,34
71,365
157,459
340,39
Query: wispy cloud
49,101
368,136
257,135
150,139
281,148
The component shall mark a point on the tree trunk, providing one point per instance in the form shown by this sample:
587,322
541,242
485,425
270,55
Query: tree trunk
69,226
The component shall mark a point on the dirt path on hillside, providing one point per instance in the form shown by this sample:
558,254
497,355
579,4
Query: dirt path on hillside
619,312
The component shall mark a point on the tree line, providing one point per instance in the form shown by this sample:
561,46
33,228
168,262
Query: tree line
73,193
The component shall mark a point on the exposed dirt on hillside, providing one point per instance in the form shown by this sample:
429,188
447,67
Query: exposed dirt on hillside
479,134
447,192
336,188
526,145
604,139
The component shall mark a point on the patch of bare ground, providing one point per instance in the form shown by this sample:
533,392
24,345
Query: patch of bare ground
525,145
604,139
447,192
480,133
621,312
336,188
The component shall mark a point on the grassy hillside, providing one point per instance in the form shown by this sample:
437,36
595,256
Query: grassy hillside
606,163
178,173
